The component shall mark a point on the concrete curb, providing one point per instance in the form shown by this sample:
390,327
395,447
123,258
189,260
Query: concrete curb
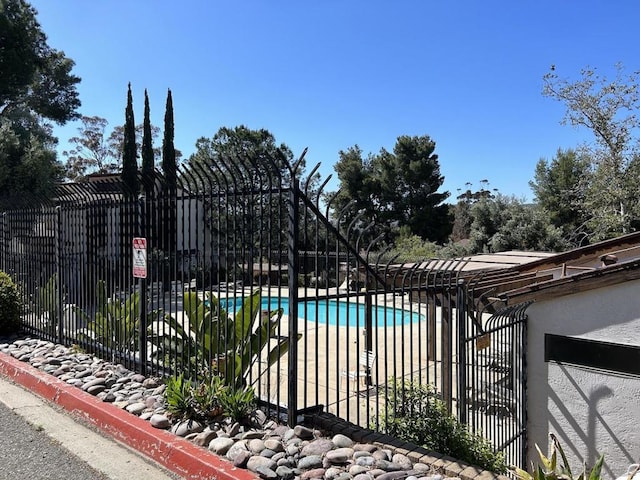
174,453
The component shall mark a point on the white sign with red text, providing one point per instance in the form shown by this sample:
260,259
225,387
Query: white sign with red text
139,257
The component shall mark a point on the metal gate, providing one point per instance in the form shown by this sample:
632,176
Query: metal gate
492,373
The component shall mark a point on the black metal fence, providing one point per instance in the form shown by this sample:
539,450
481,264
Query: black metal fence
243,271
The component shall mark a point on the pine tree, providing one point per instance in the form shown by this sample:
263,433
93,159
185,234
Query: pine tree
129,160
148,160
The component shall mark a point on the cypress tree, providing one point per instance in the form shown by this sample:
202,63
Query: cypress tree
129,160
169,167
147,145
128,217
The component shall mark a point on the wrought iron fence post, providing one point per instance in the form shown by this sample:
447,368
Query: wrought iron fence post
462,350
58,283
293,269
142,285
368,333
3,246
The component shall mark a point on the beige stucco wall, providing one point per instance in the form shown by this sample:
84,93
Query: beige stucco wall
591,412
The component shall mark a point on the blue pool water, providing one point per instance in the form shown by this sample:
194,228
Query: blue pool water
335,312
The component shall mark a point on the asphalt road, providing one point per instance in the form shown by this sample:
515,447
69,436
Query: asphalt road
40,441
29,453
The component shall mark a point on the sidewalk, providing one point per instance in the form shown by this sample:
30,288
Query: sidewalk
38,441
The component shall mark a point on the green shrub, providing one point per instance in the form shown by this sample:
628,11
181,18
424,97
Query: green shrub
416,414
207,398
204,400
408,247
10,305
238,404
179,397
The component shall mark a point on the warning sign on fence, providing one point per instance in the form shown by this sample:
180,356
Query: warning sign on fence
139,257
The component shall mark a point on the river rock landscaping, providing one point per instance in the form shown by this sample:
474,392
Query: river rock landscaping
263,446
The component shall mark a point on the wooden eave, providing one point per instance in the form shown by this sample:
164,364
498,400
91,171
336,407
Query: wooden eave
582,254
582,282
515,281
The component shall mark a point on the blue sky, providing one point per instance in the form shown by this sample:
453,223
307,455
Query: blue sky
331,74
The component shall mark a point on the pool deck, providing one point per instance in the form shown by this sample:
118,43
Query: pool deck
327,352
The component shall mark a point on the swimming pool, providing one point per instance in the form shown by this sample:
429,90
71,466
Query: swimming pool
334,312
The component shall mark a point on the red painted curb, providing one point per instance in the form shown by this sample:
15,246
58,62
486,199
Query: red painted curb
175,453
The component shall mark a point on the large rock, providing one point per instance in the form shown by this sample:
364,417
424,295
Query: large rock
310,462
136,408
221,445
339,456
241,459
403,461
317,447
236,449
274,444
285,472
256,445
257,461
186,427
204,438
159,421
342,441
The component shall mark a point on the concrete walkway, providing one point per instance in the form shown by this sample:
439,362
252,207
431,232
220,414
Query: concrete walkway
39,441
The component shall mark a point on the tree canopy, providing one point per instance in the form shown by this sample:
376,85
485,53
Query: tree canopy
251,164
559,189
91,150
241,154
36,85
33,76
608,109
27,157
501,223
394,189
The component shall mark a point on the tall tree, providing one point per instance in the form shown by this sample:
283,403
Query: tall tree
608,108
416,199
91,152
35,77
395,189
170,171
36,84
27,157
356,183
148,161
169,167
240,151
252,164
559,187
129,157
